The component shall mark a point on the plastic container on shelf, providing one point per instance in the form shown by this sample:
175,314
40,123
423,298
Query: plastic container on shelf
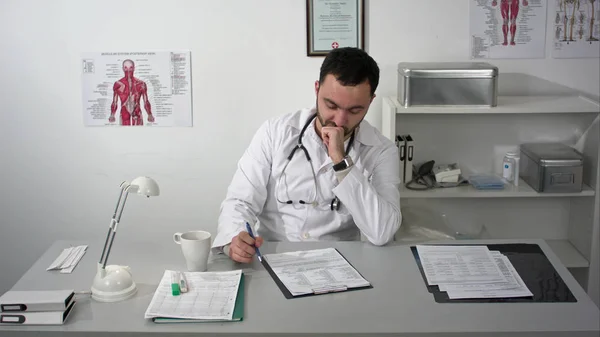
486,182
510,167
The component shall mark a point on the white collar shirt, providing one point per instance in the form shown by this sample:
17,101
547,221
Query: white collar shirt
369,195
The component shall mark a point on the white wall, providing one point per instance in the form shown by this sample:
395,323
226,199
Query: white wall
60,180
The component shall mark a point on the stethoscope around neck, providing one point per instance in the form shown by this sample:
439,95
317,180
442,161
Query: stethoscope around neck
335,203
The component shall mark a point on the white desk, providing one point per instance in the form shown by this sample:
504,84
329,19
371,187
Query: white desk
397,305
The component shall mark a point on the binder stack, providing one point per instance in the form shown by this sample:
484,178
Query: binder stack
50,307
406,152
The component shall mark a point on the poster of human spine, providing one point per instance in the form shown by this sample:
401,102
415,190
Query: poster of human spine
507,28
576,28
137,88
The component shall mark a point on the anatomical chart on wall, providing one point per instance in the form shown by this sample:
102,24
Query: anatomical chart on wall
507,28
576,28
137,88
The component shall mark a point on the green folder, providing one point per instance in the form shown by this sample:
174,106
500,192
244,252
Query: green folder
238,311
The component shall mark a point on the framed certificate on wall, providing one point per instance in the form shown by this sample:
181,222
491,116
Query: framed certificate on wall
334,24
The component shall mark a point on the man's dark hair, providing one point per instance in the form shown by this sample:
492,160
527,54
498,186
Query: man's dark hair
350,66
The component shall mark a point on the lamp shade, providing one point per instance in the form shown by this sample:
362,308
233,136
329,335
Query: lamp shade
145,186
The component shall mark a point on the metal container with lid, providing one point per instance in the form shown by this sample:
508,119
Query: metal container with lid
551,167
447,84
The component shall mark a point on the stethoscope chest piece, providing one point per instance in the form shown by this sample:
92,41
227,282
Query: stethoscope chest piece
335,204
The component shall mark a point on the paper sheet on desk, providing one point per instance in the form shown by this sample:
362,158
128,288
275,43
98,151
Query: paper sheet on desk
458,264
513,287
211,296
306,272
471,272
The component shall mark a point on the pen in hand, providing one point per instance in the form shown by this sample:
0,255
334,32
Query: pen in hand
249,229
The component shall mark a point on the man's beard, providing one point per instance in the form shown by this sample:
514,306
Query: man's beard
331,123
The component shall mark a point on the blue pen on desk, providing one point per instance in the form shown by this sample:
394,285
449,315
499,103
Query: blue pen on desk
249,229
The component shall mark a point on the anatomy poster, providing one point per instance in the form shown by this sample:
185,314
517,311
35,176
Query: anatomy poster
576,28
137,88
507,28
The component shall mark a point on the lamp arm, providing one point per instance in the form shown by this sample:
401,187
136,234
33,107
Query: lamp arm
122,207
114,231
112,228
106,240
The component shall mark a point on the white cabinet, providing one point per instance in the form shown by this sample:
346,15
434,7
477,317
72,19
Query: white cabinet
476,138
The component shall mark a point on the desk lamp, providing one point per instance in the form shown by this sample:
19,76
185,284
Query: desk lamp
114,283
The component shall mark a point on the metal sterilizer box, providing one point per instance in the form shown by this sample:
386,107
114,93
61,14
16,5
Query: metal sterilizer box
551,167
447,84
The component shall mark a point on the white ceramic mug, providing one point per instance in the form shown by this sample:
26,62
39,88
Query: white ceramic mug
195,246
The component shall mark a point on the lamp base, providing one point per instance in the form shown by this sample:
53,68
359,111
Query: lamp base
113,284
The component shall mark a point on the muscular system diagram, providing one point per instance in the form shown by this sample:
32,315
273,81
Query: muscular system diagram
130,90
509,10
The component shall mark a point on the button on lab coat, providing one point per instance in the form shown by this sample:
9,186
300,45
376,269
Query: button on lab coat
369,195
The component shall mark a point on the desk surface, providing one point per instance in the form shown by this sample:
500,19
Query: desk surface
398,304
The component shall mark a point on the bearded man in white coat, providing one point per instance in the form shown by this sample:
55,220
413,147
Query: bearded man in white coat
321,173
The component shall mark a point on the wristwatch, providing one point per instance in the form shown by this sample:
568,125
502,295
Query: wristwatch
344,164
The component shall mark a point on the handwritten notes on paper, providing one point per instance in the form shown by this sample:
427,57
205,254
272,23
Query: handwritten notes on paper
471,272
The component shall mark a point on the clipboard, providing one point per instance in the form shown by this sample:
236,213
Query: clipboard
316,291
533,267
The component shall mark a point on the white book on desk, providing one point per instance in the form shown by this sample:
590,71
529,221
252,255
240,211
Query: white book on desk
36,300
36,318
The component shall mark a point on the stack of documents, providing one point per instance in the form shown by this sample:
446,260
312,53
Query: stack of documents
471,272
68,259
50,307
210,297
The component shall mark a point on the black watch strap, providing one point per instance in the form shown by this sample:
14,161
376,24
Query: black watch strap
344,164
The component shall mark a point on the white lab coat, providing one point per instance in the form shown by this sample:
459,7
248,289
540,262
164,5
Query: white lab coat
369,195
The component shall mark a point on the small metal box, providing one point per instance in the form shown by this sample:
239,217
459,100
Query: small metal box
551,167
447,84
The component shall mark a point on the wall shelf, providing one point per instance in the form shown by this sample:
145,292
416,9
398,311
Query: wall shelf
514,105
509,191
477,138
